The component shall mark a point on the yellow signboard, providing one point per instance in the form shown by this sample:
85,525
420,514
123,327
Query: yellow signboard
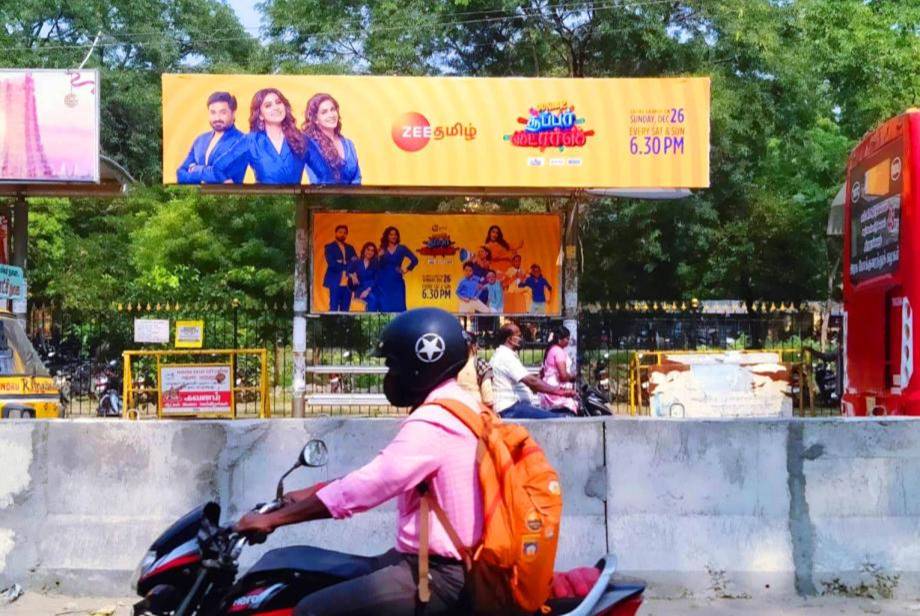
189,334
436,131
463,263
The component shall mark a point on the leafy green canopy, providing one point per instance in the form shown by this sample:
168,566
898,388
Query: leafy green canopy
794,84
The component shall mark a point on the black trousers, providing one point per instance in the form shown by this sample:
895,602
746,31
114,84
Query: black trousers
391,589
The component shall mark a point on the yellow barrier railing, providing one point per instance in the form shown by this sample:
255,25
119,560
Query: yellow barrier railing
641,363
144,385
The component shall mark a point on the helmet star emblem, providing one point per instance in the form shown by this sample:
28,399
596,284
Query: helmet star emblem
429,348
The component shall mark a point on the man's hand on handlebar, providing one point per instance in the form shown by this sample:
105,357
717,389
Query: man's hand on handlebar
252,524
298,495
295,506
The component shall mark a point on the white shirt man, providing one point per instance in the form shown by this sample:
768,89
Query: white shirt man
512,383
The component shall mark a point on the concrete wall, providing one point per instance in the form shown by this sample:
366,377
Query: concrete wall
731,508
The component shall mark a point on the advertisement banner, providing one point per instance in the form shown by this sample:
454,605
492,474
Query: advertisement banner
49,126
189,334
436,131
463,263
727,384
12,283
875,205
195,389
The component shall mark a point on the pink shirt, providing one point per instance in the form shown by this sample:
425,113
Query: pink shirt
431,445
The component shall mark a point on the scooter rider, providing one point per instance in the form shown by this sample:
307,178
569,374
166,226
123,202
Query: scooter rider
424,351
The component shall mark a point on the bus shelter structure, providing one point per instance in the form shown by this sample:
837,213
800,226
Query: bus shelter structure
308,197
114,181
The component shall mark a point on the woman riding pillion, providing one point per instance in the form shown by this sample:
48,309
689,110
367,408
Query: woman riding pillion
424,351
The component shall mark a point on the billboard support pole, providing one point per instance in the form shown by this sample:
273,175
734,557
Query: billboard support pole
7,248
570,276
20,248
302,223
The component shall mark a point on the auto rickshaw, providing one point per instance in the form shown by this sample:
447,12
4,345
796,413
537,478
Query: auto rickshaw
27,390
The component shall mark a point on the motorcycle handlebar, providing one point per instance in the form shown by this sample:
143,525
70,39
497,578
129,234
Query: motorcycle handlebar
254,538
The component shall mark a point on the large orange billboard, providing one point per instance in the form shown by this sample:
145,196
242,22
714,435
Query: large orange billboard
463,263
436,131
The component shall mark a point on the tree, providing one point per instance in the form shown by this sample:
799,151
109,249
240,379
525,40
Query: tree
138,40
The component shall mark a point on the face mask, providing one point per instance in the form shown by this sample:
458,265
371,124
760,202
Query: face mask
397,394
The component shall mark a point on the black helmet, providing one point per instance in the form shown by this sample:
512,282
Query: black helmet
422,348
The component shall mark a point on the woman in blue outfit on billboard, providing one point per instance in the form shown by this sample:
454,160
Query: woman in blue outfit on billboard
362,276
331,158
390,283
273,148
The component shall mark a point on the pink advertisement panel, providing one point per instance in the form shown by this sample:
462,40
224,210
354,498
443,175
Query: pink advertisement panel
49,126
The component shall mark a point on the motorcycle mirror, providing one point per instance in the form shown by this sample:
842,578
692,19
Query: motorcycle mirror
315,453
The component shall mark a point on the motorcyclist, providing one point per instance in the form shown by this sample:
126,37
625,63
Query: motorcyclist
424,351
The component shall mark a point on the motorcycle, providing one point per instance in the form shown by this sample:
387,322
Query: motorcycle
107,387
144,387
191,569
594,400
825,368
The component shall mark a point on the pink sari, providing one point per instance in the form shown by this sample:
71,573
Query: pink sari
554,357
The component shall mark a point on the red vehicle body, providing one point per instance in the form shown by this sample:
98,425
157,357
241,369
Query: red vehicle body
881,271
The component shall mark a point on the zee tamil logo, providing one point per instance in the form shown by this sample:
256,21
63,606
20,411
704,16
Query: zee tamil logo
412,131
551,125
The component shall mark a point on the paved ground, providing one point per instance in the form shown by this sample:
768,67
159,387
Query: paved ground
32,604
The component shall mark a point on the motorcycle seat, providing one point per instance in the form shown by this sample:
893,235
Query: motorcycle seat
617,600
309,559
594,591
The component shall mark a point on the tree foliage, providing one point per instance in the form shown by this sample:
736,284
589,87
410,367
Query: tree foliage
794,84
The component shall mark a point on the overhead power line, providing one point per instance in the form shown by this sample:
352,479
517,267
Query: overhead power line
117,40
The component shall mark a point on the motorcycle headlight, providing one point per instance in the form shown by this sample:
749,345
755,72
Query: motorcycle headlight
149,558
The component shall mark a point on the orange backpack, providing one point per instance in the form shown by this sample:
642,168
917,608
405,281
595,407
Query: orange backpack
511,570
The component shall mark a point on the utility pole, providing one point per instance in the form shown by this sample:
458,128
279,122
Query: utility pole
6,222
21,250
570,275
302,231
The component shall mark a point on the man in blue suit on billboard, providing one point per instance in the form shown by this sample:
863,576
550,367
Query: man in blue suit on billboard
208,148
338,256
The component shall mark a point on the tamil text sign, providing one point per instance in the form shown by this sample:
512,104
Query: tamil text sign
463,263
436,131
49,126
875,206
195,389
155,331
189,334
12,283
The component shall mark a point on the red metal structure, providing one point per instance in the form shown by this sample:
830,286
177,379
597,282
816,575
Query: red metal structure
881,271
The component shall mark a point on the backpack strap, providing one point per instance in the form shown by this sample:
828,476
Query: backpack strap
428,503
424,589
470,418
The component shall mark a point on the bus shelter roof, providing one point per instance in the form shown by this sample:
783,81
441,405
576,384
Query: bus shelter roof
114,180
441,191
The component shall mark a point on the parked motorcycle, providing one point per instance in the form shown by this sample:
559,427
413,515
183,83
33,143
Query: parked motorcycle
825,367
107,387
191,569
594,398
144,386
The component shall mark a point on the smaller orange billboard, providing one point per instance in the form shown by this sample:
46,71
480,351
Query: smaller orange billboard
462,263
